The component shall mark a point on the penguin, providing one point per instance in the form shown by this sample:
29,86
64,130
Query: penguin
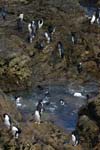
29,28
48,37
51,29
62,102
40,45
40,23
18,101
74,138
32,28
20,24
60,49
73,37
7,120
79,67
40,87
21,16
37,116
15,131
40,107
30,38
93,18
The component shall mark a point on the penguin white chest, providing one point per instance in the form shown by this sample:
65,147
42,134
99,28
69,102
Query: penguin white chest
21,16
29,28
40,24
37,116
93,19
18,102
7,121
14,130
47,37
73,138
73,39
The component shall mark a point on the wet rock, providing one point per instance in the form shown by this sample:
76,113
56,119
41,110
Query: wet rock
94,108
21,66
6,107
88,123
20,61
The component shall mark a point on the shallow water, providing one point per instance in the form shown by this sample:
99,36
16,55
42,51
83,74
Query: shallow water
65,115
89,9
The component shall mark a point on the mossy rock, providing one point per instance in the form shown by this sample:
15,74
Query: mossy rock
88,129
19,66
94,108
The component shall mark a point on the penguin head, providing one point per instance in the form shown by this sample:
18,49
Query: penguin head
33,22
73,34
51,29
40,87
5,114
18,98
87,96
73,132
59,43
61,101
40,21
40,102
46,34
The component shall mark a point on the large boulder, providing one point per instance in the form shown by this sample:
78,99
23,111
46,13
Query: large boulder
88,123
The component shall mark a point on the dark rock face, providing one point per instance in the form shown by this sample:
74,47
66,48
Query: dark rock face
88,124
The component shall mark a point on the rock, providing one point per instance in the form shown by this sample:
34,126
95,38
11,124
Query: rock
20,62
6,107
48,147
88,123
94,109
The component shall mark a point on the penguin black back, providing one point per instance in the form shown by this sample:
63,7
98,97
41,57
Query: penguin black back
40,106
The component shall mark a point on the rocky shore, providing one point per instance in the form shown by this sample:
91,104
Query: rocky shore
88,124
20,62
23,66
33,137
